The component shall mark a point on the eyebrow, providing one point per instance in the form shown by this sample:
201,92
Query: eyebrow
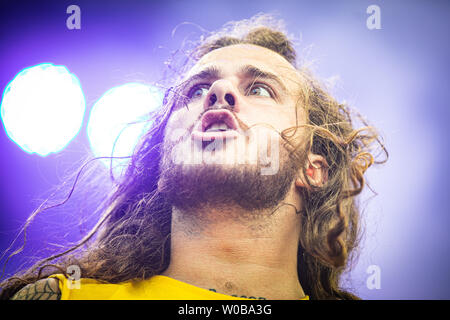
209,73
247,71
253,72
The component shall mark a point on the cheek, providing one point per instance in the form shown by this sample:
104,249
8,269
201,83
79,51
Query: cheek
183,118
180,125
274,117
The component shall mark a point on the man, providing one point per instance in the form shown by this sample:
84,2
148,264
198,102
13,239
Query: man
243,188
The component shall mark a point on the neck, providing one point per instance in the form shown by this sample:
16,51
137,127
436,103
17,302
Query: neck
230,251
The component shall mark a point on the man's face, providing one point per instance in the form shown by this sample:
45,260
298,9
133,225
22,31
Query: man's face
230,74
239,99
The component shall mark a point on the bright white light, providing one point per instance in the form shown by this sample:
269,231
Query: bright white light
119,118
42,108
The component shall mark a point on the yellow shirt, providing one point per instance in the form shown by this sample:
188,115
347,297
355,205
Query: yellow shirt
156,288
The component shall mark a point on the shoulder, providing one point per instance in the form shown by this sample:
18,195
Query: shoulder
44,289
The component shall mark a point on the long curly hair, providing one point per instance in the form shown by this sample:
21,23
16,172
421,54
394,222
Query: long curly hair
131,239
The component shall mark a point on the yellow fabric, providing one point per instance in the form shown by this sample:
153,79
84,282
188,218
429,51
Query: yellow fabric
156,288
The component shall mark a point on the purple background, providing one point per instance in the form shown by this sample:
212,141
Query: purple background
397,77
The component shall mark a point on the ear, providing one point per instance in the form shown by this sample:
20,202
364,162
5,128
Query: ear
316,172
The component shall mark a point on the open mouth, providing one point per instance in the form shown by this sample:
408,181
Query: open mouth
216,124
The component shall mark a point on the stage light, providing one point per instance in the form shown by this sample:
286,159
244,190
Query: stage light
119,118
42,108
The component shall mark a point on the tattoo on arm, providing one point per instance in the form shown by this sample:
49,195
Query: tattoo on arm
44,289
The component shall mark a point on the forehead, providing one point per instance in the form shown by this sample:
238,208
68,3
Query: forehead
230,59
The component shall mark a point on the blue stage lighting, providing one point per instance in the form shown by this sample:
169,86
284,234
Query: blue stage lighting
42,108
119,118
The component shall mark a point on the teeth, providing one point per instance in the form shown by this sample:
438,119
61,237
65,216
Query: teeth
221,126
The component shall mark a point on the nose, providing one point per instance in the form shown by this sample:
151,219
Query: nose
222,93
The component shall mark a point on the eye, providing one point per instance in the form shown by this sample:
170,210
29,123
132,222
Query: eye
260,90
198,91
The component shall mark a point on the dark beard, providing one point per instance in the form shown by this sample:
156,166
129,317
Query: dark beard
193,186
